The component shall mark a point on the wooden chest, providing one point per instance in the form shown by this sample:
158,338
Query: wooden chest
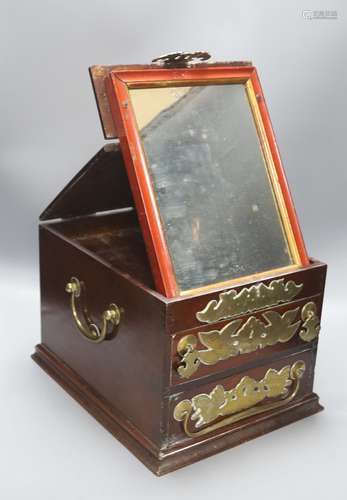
179,378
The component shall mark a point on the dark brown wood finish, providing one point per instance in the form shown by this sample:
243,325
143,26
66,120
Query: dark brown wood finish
176,435
129,382
169,460
100,186
115,239
126,382
121,370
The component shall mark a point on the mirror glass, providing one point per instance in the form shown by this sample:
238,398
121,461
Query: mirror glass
213,190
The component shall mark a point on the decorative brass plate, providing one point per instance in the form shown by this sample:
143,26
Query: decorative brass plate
311,324
232,303
240,402
234,338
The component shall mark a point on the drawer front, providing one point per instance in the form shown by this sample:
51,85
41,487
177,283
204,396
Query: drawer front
245,341
221,406
213,308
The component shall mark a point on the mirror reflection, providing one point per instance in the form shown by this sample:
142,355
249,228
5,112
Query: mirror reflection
214,194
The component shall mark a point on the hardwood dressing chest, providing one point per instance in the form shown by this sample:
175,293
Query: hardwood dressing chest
179,306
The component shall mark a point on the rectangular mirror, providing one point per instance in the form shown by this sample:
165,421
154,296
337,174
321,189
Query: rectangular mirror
221,209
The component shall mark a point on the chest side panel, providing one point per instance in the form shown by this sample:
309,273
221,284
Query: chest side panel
119,370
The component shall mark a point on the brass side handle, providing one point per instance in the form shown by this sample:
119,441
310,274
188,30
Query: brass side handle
86,326
246,399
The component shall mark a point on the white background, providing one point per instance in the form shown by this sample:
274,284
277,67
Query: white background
50,448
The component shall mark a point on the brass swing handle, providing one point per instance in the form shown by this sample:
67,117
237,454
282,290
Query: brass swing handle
89,330
240,402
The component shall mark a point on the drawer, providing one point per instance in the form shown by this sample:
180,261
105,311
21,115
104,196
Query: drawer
245,341
224,405
185,313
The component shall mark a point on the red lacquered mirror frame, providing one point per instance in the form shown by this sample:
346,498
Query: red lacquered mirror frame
117,83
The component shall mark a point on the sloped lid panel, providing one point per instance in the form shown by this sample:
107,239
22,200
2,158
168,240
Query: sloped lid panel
100,186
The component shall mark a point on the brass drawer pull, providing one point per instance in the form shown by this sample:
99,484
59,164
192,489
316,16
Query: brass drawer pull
89,330
240,402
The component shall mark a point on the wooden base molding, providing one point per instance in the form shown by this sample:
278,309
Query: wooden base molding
166,460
